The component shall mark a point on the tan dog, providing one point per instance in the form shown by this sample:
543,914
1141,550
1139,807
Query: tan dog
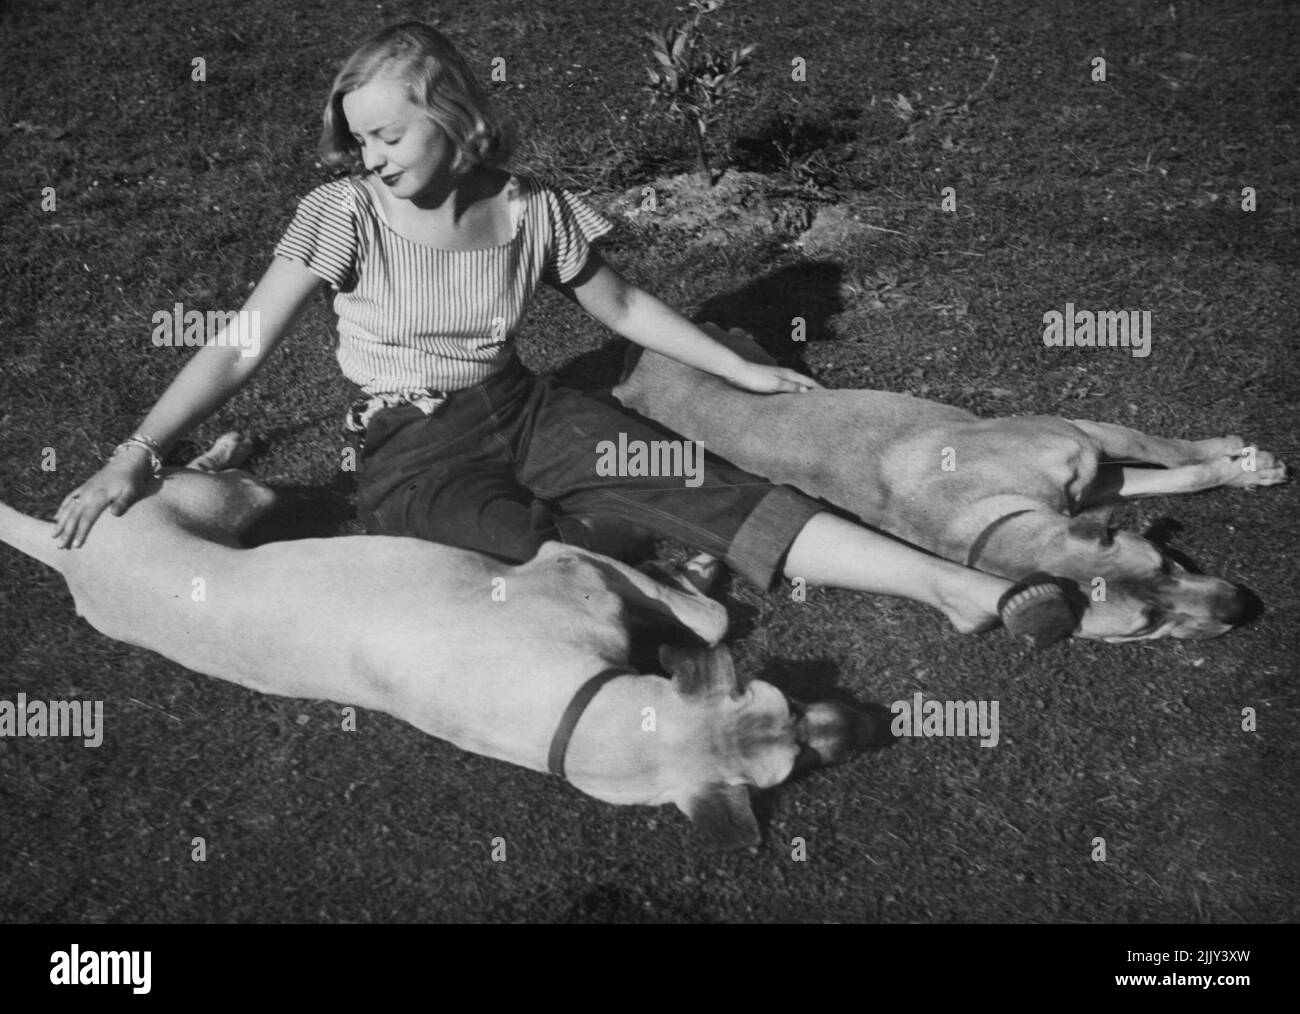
528,664
1011,496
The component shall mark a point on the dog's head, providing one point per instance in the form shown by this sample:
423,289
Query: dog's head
1136,592
753,737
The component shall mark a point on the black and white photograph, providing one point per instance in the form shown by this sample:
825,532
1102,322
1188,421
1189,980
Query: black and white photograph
684,462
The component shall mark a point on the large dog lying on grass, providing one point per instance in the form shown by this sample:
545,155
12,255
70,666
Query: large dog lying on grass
528,664
1009,496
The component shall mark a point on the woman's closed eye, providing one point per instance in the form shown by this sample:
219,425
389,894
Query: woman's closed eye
382,140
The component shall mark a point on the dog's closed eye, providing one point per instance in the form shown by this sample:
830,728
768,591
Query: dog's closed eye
1154,616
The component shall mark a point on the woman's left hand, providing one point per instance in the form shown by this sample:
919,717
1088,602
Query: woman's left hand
762,378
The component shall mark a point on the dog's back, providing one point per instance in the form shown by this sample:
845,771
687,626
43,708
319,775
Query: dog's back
887,457
446,638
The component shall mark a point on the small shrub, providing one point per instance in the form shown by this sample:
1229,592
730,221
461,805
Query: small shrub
694,83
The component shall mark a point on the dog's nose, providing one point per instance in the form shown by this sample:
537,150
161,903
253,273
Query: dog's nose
835,732
1233,606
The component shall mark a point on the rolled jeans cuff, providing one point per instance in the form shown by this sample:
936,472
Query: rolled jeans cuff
760,545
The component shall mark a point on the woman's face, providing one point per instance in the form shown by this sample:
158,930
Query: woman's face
409,153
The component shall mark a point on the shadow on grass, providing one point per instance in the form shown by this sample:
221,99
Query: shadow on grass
782,142
764,308
767,306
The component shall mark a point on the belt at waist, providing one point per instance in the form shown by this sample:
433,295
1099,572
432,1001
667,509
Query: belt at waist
427,399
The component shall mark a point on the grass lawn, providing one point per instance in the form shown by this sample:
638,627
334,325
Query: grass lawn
1116,194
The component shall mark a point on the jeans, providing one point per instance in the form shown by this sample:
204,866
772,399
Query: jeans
511,463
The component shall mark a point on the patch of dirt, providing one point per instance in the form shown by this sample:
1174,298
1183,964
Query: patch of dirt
741,206
834,227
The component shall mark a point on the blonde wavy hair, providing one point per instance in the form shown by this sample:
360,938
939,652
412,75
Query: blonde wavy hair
437,79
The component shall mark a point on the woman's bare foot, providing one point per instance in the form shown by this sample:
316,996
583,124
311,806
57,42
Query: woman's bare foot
230,450
1037,608
697,574
702,571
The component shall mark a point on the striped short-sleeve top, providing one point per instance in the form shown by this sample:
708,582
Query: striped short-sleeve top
413,316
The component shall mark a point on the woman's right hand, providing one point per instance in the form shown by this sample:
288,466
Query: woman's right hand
116,486
212,375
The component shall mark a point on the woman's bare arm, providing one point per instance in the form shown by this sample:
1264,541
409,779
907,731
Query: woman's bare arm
641,318
211,378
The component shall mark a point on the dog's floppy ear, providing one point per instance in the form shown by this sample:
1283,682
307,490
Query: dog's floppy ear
1093,523
701,615
701,672
723,817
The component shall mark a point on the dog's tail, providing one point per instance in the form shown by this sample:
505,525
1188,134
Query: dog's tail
30,535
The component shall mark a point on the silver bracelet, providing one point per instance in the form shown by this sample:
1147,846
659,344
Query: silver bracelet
148,441
155,462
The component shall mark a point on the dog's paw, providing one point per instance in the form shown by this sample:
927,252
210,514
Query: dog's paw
1252,467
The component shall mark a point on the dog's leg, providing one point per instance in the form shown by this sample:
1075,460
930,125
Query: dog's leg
1119,443
1228,470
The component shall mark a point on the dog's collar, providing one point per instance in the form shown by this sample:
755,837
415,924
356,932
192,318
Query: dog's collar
982,540
569,720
